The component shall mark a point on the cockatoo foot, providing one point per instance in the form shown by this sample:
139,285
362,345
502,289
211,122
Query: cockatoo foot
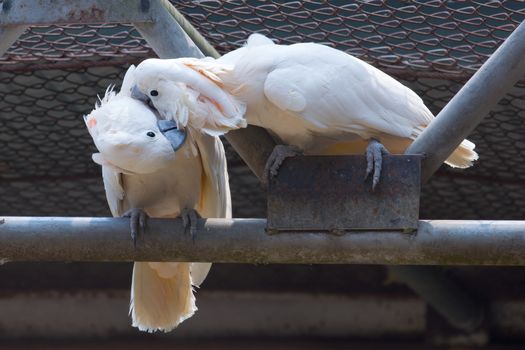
137,223
279,154
374,159
189,221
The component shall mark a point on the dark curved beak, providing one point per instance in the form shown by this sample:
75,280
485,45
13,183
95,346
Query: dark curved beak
139,95
175,136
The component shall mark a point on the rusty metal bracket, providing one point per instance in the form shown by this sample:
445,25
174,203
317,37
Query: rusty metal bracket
329,194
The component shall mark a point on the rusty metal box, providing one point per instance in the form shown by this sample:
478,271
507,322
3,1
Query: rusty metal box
328,193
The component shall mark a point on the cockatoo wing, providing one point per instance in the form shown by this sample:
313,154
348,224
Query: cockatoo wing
346,94
215,194
114,190
215,199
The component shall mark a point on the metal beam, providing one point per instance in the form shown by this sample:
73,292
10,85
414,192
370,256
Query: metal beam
165,35
44,12
8,36
245,241
472,103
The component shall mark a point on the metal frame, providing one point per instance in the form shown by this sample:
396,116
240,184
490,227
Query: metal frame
29,12
9,35
245,241
171,35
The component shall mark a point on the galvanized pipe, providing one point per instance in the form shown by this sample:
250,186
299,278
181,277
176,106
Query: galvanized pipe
472,103
245,241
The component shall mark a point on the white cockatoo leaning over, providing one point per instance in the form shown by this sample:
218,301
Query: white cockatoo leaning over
313,98
150,167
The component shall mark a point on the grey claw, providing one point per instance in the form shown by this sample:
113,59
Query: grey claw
378,165
276,159
185,220
137,223
374,160
142,222
369,163
190,218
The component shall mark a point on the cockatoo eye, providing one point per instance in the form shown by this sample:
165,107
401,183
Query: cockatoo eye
154,93
150,134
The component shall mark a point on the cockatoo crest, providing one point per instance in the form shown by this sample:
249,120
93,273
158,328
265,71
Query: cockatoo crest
190,91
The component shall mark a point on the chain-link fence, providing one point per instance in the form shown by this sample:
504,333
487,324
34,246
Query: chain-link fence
50,77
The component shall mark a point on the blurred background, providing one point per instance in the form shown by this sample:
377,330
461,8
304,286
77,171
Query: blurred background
50,78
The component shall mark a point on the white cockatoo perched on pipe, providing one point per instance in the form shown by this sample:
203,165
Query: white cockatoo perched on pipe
149,167
313,98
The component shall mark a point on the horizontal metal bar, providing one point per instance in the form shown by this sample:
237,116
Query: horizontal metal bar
472,103
43,12
245,241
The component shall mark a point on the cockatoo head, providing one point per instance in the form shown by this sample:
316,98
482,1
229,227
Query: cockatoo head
129,136
189,91
156,84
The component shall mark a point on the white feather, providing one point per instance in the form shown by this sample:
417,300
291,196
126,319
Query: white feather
194,85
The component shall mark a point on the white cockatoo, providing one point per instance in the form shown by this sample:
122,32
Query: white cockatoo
317,99
151,168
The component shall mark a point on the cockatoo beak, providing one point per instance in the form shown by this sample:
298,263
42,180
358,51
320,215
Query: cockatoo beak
175,136
139,95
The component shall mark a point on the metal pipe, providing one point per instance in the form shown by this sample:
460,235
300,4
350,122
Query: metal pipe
165,35
42,12
8,36
254,145
245,241
472,103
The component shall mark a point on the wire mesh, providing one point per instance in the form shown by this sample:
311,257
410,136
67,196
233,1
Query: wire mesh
50,77
443,36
